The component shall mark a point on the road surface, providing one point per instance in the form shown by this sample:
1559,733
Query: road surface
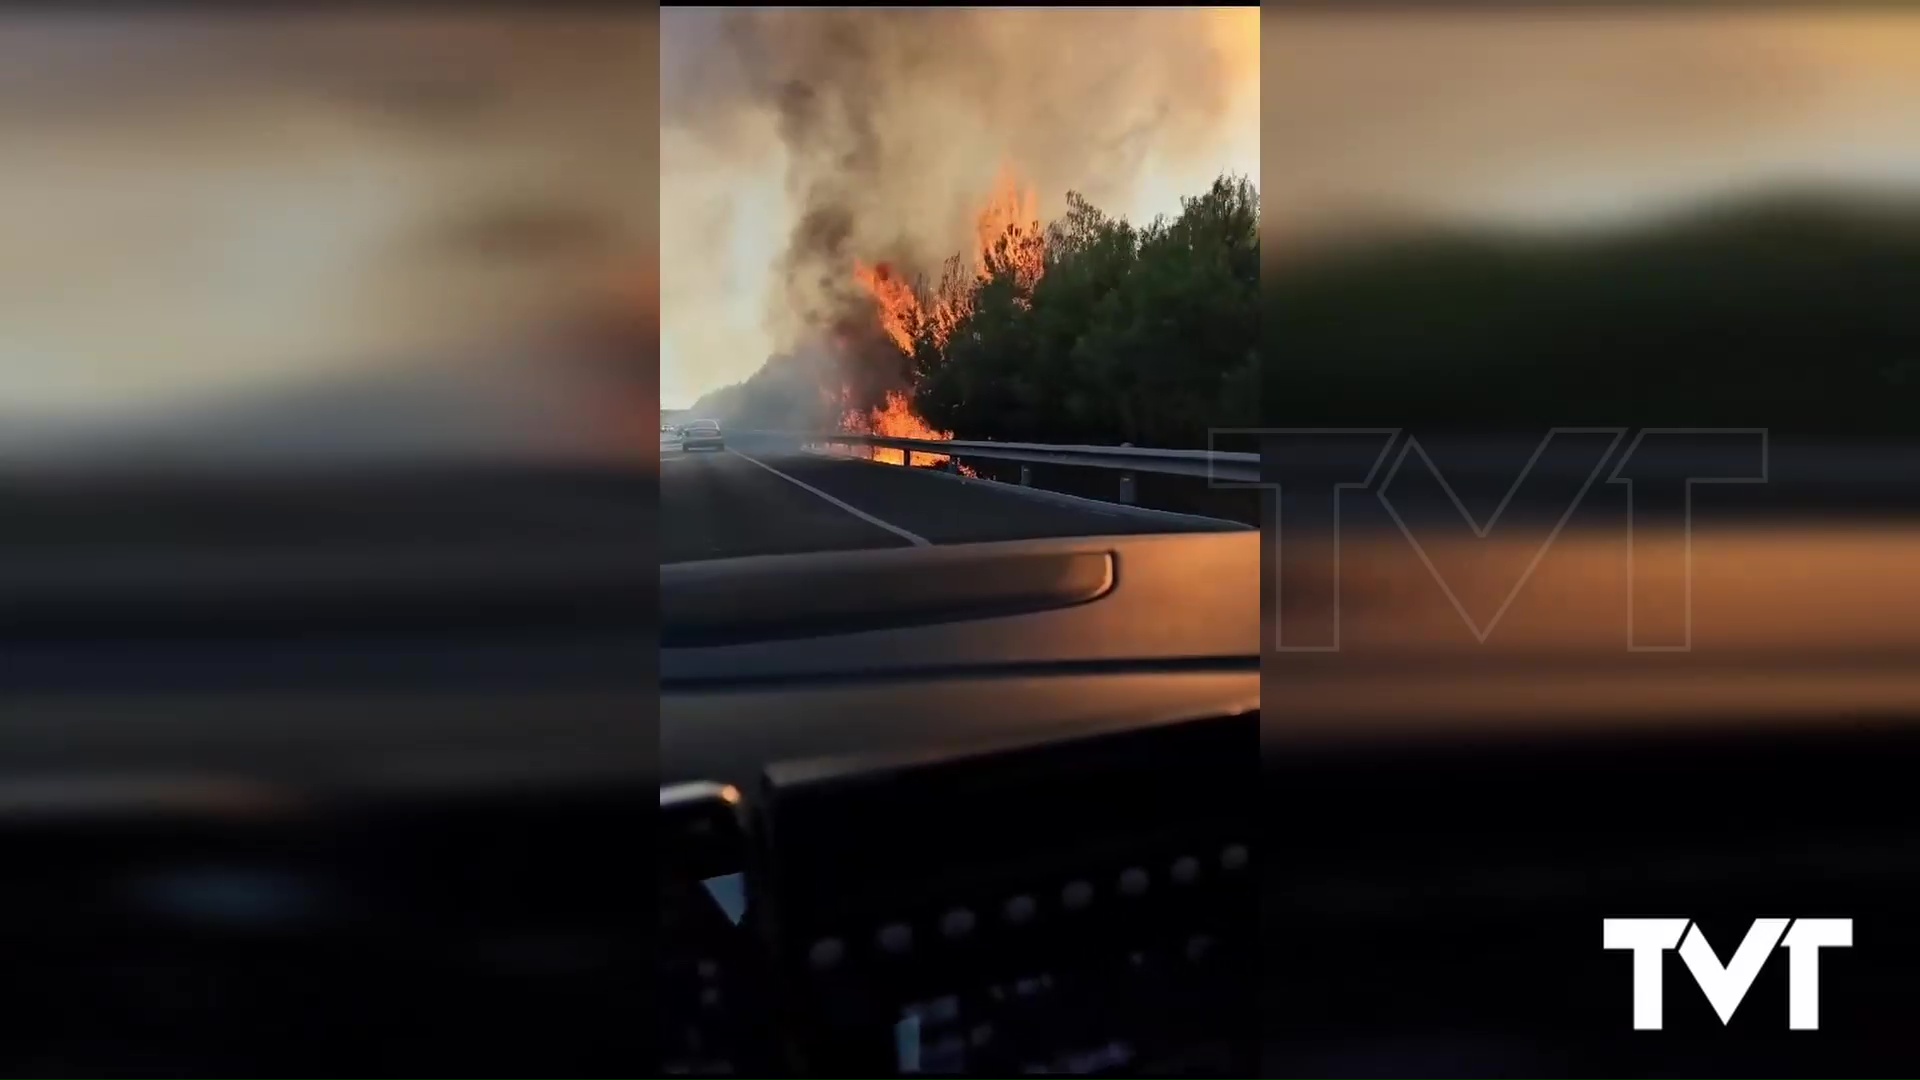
769,499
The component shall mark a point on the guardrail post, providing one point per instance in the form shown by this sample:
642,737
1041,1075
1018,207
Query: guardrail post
1026,476
1126,488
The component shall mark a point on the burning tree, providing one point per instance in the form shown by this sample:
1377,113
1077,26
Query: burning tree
1090,329
1009,242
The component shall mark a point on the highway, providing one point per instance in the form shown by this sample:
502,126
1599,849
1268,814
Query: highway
769,498
764,497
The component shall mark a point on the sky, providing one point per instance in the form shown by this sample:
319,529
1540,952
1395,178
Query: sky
200,207
1134,108
1572,120
197,206
1542,120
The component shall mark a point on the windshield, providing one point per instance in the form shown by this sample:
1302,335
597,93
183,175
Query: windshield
1005,278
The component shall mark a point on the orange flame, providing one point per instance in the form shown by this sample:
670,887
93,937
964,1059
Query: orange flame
1007,236
899,308
897,420
1007,232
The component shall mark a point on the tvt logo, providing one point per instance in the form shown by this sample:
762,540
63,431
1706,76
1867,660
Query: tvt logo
1726,985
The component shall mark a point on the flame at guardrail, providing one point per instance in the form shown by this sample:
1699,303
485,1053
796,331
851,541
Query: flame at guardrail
1008,238
897,420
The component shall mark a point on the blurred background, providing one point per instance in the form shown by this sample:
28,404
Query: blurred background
327,593
1510,220
321,283
1483,224
325,236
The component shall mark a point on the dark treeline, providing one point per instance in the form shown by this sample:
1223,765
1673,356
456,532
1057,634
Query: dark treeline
1093,330
1144,334
1798,313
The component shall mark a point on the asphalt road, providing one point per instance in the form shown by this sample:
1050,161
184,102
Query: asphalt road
768,499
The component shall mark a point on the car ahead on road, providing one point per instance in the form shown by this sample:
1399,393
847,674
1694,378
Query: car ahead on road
702,435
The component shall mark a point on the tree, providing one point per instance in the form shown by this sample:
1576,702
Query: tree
1792,311
1134,335
1090,330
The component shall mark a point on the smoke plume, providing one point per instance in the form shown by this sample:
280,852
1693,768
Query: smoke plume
888,127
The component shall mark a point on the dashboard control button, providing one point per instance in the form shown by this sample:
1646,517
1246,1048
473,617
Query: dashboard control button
1020,910
826,954
946,1056
1133,881
1186,870
1032,986
957,923
1077,895
896,938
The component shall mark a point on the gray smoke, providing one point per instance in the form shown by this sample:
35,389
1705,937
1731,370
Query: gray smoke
889,126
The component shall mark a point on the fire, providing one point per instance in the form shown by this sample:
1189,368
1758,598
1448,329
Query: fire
899,308
1007,236
897,420
1007,232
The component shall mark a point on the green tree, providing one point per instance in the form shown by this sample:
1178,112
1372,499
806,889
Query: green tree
1134,335
1790,311
1148,335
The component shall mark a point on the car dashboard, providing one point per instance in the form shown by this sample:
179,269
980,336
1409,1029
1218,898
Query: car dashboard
1458,814
983,809
320,773
979,809
1461,812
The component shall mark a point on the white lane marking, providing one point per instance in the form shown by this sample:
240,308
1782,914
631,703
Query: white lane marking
854,510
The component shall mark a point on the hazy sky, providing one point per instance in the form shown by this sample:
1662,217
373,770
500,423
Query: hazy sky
1544,119
1135,108
196,205
1559,118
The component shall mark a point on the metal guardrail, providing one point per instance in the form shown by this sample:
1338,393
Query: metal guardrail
1884,475
1891,466
1217,466
1206,464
